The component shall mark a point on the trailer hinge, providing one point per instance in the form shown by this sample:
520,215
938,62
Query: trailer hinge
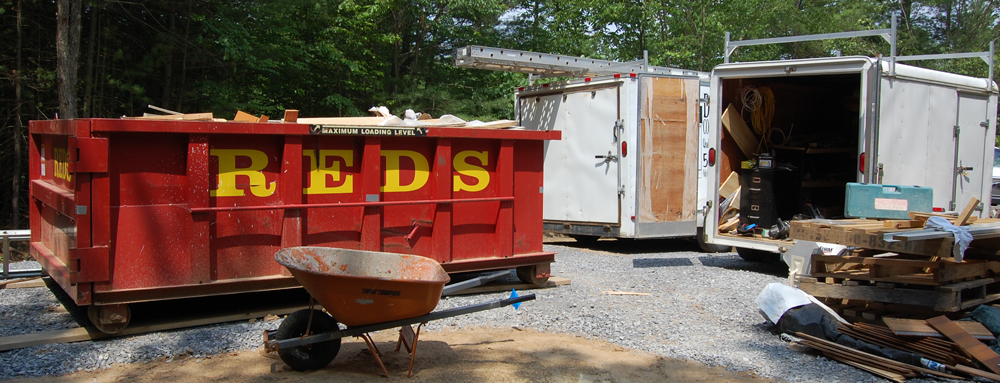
985,124
705,100
957,131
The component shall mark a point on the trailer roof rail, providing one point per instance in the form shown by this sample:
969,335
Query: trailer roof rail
546,65
889,34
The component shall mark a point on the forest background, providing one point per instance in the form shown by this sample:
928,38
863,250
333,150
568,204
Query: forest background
340,57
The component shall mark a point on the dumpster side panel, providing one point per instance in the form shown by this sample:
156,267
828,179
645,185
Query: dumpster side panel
148,210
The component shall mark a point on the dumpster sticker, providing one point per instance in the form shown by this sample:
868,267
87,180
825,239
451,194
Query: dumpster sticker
366,131
60,159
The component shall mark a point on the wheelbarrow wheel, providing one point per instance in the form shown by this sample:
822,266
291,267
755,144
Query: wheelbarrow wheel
310,356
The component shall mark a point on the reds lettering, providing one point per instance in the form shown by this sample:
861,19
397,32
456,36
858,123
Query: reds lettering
325,170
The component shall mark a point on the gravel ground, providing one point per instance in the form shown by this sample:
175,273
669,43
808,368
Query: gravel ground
701,307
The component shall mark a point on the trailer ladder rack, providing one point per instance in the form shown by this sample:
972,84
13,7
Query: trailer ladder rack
546,65
889,34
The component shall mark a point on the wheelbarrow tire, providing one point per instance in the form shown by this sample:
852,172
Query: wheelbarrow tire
311,356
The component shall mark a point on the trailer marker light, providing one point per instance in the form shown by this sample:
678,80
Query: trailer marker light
624,149
519,89
586,79
633,218
938,209
861,163
618,75
711,157
632,75
545,85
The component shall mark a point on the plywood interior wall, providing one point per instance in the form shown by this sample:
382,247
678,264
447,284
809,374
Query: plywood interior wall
669,150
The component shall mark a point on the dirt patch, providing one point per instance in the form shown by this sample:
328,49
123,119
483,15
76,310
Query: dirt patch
443,356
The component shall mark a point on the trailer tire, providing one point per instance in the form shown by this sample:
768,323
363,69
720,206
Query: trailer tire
753,255
585,239
708,247
311,356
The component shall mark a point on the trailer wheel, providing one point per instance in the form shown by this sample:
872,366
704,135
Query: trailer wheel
708,247
529,274
585,239
311,356
752,255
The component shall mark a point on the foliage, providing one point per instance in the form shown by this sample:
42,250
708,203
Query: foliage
340,57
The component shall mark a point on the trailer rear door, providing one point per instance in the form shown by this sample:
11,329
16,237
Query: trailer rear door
973,145
581,171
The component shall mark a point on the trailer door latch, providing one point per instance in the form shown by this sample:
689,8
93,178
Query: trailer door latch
607,158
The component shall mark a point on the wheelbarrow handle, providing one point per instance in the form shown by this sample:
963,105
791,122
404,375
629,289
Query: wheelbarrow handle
456,287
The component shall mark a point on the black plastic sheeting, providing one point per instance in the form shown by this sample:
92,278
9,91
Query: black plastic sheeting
814,320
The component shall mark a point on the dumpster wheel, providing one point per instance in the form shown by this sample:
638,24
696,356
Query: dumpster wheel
529,274
311,356
109,319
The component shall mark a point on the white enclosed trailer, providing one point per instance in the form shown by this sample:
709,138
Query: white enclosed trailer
634,153
856,119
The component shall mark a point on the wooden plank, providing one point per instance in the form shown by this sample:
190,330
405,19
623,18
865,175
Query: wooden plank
947,298
80,334
15,281
242,116
903,223
963,218
342,121
976,372
739,130
182,117
731,185
291,115
25,285
917,327
977,349
874,370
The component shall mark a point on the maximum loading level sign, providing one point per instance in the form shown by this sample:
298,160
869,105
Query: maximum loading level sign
340,130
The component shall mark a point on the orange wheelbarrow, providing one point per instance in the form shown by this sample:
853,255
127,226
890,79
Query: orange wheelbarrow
365,291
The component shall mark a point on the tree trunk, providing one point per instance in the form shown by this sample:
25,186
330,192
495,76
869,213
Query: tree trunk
184,55
88,80
168,60
15,221
67,54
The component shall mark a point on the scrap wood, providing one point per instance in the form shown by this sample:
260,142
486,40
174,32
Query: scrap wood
963,218
872,358
923,216
731,185
741,133
291,115
977,372
181,117
877,371
729,225
974,347
917,327
5,283
623,293
937,349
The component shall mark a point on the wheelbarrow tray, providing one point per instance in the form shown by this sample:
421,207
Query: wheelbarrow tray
364,287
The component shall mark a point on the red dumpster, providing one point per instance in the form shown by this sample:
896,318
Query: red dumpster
138,210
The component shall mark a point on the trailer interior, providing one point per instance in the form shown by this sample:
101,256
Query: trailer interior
813,140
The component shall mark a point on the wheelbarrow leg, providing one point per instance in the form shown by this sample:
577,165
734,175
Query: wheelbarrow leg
413,353
374,350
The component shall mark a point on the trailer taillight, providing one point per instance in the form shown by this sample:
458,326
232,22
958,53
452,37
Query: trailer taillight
711,157
631,75
624,149
586,79
618,75
937,209
861,163
520,89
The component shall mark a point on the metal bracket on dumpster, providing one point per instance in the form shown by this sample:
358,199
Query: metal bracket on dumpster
92,264
92,154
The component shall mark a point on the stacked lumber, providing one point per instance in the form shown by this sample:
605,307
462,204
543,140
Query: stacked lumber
899,264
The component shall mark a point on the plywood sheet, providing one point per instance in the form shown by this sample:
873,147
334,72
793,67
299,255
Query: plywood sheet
669,150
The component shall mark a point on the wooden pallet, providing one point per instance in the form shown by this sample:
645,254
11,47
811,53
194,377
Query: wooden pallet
901,270
867,234
870,234
947,298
